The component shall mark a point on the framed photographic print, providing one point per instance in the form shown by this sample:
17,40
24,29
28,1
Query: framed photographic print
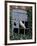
20,22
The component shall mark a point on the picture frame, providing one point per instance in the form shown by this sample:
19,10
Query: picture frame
16,9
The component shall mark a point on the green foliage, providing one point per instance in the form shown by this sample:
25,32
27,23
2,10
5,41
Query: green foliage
29,12
17,36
